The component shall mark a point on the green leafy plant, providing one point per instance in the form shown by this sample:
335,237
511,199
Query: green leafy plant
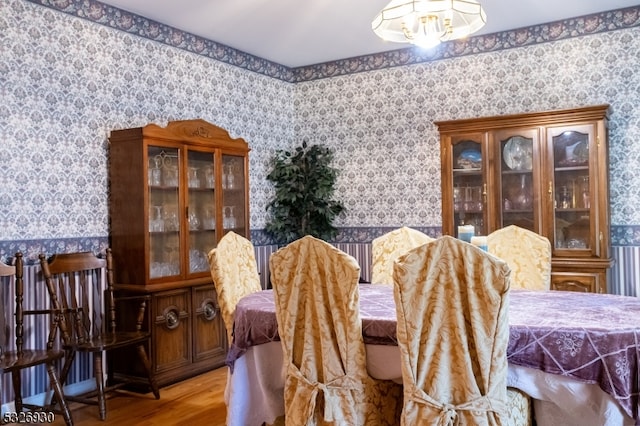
303,203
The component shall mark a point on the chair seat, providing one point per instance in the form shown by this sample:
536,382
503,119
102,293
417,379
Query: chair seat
11,361
108,341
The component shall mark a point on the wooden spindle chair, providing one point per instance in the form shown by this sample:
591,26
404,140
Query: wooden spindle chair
15,359
74,282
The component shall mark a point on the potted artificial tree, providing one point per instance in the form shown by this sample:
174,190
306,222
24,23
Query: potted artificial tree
303,202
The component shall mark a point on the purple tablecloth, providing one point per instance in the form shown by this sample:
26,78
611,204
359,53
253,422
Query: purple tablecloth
594,338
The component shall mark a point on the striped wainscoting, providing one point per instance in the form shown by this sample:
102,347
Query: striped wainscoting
36,329
625,274
362,253
263,253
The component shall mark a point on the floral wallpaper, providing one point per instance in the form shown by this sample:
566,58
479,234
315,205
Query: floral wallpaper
381,122
67,82
73,70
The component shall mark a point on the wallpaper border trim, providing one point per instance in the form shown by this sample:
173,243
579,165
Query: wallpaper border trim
131,23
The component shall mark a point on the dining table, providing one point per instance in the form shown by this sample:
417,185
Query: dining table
576,354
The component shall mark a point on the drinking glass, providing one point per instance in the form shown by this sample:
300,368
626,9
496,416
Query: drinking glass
157,223
209,177
194,179
194,221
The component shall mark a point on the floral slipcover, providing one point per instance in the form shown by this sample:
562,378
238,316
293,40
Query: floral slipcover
235,274
317,307
388,247
528,255
452,310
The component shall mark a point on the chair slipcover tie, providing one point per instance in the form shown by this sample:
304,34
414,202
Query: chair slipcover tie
332,409
449,413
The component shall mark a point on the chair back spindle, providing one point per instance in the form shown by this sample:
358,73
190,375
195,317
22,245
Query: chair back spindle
74,283
16,359
81,292
8,275
19,285
110,297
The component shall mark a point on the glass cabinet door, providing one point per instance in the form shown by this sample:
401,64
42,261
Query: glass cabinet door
516,165
469,189
164,219
201,209
233,194
572,189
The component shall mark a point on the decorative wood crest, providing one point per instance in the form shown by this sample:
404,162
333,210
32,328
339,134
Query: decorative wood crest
194,130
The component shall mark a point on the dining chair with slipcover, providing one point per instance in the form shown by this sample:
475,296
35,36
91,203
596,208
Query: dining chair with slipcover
452,311
388,247
16,356
317,307
92,320
234,271
528,255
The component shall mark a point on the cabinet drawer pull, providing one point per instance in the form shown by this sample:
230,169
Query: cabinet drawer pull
171,319
209,310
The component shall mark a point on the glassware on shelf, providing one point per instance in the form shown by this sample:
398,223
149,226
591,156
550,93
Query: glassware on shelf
209,177
209,218
225,176
163,269
194,221
171,221
197,261
457,198
229,220
576,243
157,223
194,179
522,199
565,197
472,198
231,176
169,172
583,187
155,172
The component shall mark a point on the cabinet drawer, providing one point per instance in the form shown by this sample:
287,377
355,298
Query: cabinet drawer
572,281
209,332
172,329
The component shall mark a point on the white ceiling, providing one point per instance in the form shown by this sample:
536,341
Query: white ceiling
306,32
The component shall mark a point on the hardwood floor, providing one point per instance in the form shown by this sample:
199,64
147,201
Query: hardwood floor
196,401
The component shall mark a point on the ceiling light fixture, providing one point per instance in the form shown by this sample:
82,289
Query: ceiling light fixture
426,23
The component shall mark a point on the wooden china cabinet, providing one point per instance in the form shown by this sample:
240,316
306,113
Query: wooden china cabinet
174,192
545,171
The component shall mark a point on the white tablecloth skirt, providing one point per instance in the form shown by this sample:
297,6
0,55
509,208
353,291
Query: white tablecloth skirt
254,392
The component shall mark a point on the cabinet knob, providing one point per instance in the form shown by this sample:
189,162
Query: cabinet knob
171,319
209,311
